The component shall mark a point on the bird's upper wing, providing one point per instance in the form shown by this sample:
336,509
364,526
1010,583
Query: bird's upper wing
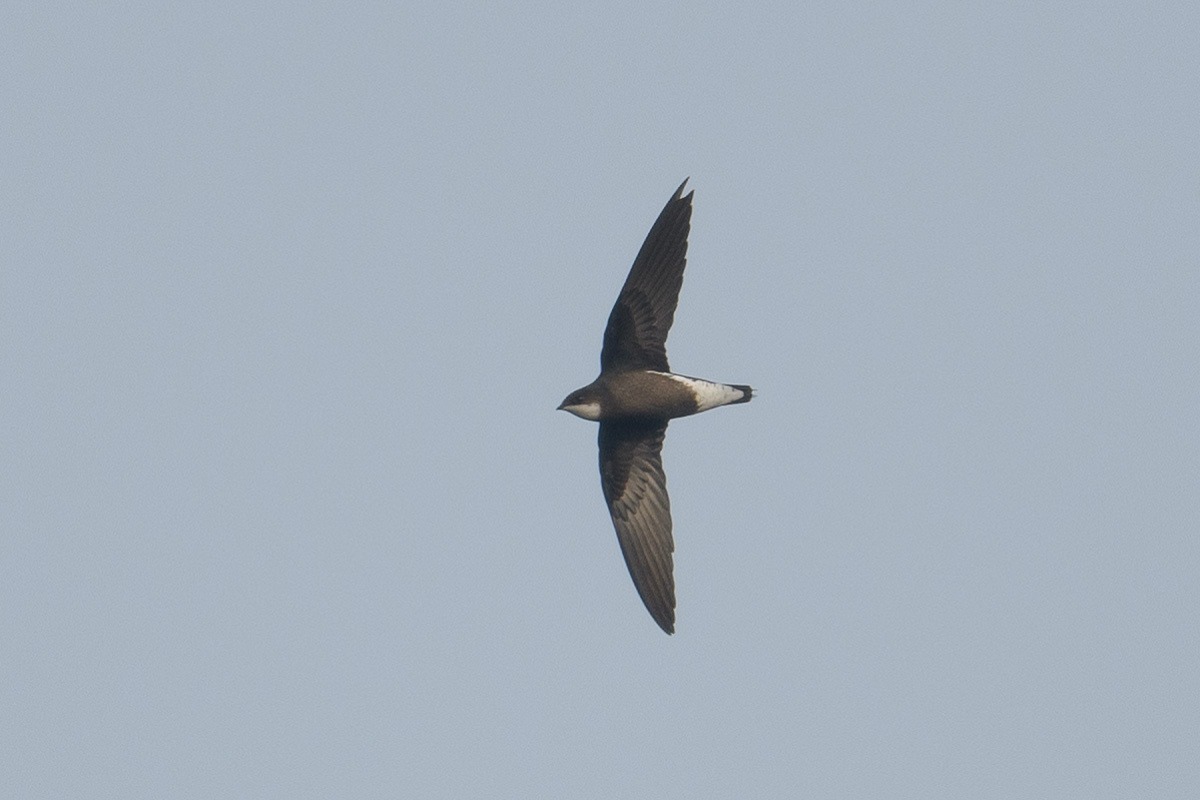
635,488
636,335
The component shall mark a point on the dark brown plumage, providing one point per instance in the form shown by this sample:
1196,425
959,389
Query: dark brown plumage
633,399
635,488
636,334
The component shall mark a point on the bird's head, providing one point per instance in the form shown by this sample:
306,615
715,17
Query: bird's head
583,403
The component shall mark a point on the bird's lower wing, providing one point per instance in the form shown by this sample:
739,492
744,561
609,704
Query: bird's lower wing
635,489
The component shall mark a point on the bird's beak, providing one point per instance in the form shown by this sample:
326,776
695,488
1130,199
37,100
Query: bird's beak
561,405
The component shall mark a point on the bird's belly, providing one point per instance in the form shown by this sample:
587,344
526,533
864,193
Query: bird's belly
706,394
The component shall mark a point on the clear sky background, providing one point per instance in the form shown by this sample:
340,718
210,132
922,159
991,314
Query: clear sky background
288,296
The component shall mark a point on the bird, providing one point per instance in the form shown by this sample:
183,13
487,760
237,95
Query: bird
633,399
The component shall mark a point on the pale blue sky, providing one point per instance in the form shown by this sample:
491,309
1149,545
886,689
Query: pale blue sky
289,293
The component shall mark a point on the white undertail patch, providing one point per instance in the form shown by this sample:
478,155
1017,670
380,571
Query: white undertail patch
708,394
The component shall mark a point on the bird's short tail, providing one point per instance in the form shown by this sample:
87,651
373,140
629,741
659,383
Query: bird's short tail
746,391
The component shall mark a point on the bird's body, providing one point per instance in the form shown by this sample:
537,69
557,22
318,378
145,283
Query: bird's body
650,394
635,396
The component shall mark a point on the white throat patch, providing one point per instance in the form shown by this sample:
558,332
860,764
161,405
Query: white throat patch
588,411
708,394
